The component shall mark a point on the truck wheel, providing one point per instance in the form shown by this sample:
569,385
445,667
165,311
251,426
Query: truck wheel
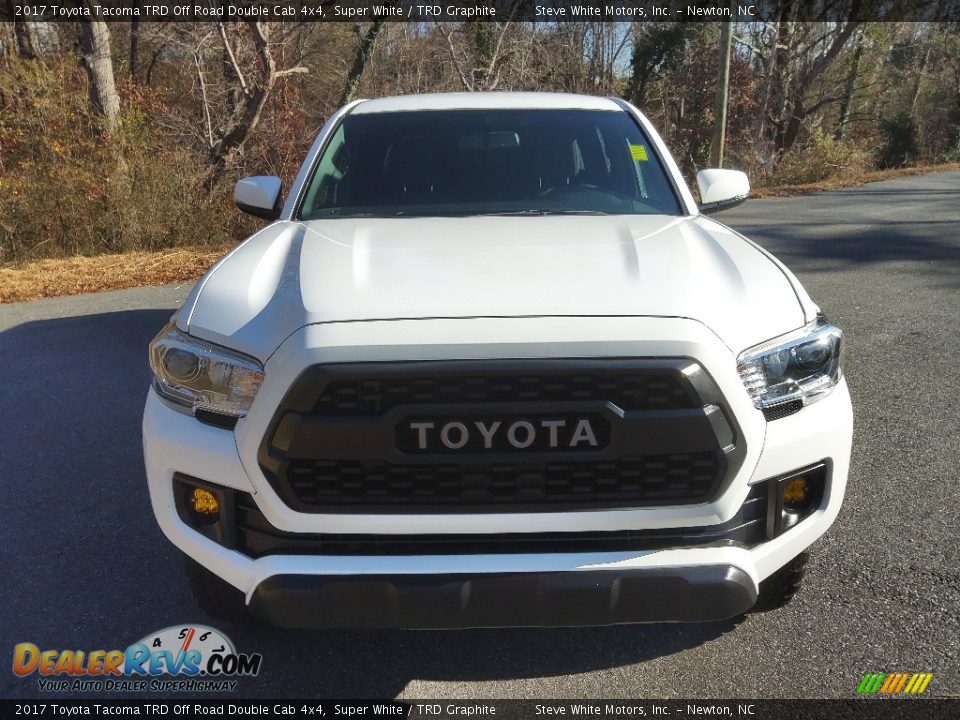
217,598
778,589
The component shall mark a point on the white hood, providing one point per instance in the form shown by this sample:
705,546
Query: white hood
293,274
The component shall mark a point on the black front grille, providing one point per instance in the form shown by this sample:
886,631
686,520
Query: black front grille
652,390
664,437
781,411
647,480
256,537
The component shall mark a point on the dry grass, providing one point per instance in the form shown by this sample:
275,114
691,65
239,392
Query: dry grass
777,191
70,276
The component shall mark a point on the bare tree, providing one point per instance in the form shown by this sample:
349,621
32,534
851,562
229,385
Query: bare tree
25,34
477,61
134,60
846,102
228,125
7,38
790,57
95,38
364,50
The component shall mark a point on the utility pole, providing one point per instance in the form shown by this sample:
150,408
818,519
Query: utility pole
723,91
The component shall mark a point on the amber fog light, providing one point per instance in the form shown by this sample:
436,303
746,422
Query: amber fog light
795,492
794,497
204,506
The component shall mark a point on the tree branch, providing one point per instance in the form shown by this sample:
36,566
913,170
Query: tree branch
291,71
203,97
233,59
467,85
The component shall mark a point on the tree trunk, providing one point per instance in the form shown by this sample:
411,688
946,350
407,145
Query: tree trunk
796,78
8,38
792,127
246,117
847,102
919,83
26,34
771,68
786,32
364,49
99,66
483,41
134,47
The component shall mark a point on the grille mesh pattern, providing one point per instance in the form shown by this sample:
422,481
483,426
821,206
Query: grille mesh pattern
371,478
781,411
629,391
624,482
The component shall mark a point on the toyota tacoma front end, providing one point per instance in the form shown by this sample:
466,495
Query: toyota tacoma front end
492,365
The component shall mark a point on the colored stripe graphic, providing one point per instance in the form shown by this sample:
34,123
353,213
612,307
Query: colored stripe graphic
894,683
912,684
926,681
870,683
901,681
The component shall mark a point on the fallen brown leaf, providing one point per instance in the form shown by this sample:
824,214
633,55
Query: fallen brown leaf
71,276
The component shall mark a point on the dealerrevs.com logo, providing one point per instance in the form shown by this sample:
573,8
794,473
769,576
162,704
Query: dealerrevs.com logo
178,658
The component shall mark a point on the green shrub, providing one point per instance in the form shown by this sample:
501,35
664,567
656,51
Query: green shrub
822,157
900,141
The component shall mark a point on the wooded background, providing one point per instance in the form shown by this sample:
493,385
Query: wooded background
127,136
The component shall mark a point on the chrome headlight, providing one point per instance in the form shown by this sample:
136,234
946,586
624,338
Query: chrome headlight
804,366
201,375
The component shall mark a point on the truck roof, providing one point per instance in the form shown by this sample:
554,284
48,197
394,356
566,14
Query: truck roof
486,101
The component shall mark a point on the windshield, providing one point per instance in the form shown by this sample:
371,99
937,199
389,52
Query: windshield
479,162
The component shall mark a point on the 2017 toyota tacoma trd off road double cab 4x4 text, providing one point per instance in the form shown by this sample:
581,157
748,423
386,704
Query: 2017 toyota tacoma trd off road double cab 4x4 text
491,364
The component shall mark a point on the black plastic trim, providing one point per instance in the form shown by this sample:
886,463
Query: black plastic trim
208,417
715,207
295,431
256,537
263,213
777,412
536,599
821,473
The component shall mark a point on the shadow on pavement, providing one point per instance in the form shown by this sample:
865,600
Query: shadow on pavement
837,231
899,191
86,567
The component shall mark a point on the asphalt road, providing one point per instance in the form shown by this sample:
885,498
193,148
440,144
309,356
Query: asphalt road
85,566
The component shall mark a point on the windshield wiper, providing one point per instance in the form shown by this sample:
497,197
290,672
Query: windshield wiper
545,211
467,213
337,216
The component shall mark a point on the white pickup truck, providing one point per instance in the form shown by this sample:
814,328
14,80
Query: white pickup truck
491,364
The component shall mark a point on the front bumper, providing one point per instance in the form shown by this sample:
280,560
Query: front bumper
540,599
461,589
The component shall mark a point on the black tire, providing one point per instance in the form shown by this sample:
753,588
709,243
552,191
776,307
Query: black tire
216,597
778,590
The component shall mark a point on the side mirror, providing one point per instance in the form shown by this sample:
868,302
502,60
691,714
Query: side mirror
259,196
721,189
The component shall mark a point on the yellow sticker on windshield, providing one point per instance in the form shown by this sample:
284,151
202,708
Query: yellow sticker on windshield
638,152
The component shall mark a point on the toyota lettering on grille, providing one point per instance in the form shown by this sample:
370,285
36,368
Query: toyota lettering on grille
558,434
